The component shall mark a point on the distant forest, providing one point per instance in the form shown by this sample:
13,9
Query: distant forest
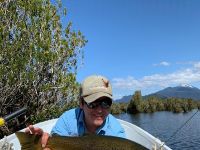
152,104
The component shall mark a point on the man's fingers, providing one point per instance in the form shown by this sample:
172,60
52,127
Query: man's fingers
27,131
46,148
44,139
32,130
45,136
38,131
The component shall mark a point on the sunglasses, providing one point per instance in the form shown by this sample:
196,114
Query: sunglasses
105,104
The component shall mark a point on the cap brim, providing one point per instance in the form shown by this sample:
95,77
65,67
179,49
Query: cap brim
95,96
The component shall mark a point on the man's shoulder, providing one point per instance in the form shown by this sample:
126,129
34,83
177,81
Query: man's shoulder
67,123
114,127
112,118
71,115
113,122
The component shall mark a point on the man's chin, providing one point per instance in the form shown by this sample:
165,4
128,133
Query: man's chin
98,122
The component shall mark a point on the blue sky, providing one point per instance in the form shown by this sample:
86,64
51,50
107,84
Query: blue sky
142,45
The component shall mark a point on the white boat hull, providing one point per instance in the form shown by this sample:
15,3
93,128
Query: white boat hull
133,133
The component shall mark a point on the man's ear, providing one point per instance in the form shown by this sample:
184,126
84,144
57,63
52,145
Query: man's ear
81,103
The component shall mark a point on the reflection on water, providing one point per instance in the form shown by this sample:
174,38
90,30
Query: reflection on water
164,124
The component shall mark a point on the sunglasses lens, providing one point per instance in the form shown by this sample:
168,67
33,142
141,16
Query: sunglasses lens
104,104
92,105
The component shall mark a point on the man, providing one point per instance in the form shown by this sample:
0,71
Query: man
91,117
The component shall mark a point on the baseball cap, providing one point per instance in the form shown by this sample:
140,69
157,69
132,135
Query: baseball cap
94,87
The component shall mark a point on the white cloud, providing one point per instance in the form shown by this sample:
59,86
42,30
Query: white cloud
186,76
163,63
186,62
197,65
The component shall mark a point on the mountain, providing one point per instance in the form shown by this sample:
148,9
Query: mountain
181,91
124,99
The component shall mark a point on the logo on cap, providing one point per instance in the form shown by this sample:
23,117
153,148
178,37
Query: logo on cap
106,82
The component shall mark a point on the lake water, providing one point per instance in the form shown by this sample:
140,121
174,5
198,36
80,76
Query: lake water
164,124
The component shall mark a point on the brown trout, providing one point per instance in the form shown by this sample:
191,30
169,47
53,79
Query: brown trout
87,142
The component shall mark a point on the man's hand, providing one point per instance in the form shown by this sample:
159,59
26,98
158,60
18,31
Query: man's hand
38,131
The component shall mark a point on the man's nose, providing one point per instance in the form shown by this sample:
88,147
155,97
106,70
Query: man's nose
99,108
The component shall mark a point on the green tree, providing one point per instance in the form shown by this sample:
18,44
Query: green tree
134,105
152,105
38,57
190,104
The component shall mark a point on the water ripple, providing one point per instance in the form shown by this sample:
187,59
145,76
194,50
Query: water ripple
164,124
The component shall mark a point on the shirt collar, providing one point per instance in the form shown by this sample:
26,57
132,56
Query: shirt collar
81,117
81,124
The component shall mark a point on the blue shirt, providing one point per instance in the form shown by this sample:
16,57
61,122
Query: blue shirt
71,123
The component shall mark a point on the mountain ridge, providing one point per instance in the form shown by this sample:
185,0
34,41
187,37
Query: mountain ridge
181,91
